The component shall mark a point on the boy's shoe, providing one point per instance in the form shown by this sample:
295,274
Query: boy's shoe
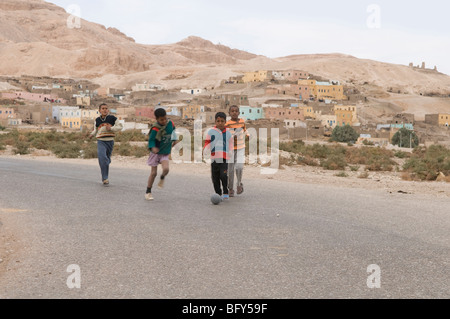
161,183
225,197
231,192
240,189
105,182
149,196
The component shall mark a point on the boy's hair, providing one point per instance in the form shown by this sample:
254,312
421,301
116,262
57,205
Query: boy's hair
100,106
160,113
221,115
231,107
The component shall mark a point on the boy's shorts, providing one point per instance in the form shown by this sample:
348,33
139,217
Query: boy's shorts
155,159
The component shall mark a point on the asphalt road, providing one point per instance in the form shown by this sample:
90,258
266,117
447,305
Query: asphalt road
277,240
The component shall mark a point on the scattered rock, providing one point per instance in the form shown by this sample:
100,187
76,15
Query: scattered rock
441,177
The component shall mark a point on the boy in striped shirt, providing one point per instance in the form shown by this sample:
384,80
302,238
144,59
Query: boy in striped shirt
219,142
236,164
105,129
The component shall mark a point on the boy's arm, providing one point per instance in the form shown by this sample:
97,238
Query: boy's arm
152,138
117,126
207,142
94,131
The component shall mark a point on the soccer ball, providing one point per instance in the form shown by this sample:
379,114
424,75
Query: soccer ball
216,199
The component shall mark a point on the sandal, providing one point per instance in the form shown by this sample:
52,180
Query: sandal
240,189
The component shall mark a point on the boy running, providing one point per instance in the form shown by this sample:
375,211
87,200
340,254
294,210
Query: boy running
236,163
105,129
162,138
218,141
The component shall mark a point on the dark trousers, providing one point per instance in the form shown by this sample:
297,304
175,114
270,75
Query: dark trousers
219,175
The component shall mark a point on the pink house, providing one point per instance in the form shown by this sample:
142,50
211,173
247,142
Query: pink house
6,113
284,113
33,97
147,112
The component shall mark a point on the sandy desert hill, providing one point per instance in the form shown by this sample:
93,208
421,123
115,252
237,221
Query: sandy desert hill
35,40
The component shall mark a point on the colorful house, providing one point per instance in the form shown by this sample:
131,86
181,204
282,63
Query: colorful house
324,90
145,112
258,76
191,111
251,113
345,114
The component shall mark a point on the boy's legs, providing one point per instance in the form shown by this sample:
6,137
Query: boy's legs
240,160
231,170
224,177
152,177
165,172
104,151
215,176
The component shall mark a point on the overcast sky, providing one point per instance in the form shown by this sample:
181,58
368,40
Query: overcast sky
386,30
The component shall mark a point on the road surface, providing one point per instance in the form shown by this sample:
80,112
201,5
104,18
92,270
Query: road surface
277,240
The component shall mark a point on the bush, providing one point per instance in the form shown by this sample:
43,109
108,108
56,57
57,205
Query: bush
405,138
425,164
400,154
22,148
334,162
66,150
344,134
341,174
89,150
131,136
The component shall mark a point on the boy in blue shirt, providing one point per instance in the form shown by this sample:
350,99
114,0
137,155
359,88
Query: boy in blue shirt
162,138
219,142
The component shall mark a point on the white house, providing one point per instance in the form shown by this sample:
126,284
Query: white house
192,91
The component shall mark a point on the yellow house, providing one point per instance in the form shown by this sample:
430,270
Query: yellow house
85,100
324,90
444,120
71,122
308,111
258,76
345,114
328,120
191,111
88,117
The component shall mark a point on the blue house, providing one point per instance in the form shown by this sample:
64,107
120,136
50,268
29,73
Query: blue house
251,113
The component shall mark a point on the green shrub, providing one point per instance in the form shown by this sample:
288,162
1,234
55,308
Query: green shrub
89,150
405,138
66,150
400,154
344,134
22,148
341,174
426,163
334,162
131,136
140,151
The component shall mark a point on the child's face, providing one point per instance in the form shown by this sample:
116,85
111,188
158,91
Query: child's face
162,120
220,123
234,113
104,110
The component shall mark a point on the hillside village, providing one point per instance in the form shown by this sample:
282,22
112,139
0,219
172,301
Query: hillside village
300,104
